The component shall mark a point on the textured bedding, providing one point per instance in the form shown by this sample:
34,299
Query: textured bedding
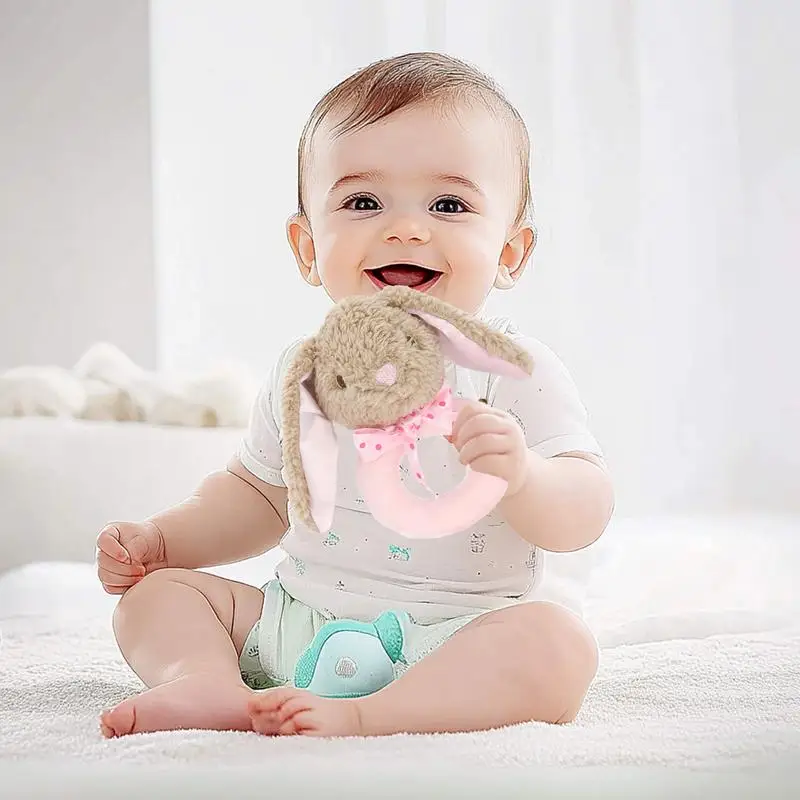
698,690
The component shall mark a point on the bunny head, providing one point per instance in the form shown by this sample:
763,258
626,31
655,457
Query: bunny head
375,359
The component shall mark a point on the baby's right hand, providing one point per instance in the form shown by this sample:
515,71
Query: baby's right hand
126,552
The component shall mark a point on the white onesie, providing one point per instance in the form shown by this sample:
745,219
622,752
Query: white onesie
360,569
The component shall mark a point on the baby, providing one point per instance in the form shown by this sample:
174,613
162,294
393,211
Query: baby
412,171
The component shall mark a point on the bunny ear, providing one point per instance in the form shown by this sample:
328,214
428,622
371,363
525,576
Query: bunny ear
462,338
486,350
309,445
319,456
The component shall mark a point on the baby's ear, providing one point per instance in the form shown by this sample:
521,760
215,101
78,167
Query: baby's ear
309,444
464,339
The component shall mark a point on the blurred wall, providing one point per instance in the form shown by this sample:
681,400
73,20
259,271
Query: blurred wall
76,251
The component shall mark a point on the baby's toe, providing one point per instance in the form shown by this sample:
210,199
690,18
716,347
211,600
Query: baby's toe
105,731
259,705
289,728
118,721
265,723
269,701
266,709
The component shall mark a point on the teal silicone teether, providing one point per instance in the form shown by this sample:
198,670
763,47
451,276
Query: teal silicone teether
351,659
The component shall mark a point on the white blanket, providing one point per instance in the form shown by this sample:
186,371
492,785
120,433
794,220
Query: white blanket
700,671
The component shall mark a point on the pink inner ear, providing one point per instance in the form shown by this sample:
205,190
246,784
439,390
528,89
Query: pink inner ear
319,454
462,350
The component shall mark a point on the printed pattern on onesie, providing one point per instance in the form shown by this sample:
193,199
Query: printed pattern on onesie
358,555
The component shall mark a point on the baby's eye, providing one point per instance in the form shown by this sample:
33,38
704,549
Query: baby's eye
448,205
361,202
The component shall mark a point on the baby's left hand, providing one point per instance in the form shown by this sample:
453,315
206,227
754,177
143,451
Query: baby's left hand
491,441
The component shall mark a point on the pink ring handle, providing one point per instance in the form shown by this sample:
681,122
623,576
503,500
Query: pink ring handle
394,507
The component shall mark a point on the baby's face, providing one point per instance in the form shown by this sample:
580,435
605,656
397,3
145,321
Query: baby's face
420,198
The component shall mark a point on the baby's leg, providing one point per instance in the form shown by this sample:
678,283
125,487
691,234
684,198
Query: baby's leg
533,661
182,631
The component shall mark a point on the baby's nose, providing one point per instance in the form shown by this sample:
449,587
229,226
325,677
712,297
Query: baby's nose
386,375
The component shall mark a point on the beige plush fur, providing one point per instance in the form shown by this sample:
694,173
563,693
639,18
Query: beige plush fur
358,337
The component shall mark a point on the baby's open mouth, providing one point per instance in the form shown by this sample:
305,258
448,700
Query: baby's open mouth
411,275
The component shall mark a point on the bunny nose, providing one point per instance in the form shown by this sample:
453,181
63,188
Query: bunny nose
386,375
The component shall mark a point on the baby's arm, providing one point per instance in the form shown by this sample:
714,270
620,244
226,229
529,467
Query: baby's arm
565,502
560,496
231,516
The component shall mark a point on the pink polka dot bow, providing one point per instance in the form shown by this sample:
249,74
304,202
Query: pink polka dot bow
434,419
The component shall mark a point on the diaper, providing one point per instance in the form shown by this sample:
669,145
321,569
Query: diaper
295,645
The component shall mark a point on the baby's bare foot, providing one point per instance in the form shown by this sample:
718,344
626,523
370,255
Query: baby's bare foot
288,711
194,701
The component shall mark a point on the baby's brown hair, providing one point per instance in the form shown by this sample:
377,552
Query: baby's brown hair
389,85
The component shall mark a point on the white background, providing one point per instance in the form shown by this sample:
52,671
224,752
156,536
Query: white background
146,176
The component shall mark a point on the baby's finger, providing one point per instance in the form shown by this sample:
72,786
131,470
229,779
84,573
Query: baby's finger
108,542
466,412
111,565
487,444
491,464
109,589
478,425
118,583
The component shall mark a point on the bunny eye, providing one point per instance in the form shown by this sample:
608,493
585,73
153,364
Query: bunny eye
340,381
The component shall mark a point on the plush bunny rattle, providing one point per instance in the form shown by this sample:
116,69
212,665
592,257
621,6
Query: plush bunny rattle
377,367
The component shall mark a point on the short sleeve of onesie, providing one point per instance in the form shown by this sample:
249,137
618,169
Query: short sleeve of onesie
548,407
260,449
